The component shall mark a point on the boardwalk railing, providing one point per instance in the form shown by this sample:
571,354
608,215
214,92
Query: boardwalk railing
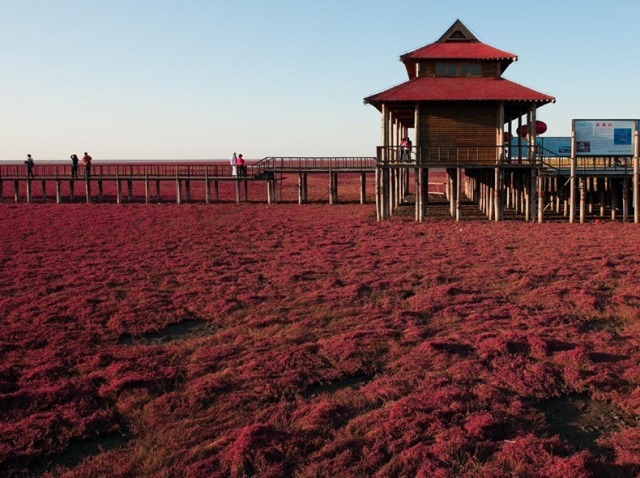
315,163
123,170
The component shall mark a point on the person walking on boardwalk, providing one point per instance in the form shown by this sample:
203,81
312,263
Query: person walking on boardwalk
86,160
234,164
74,165
29,164
242,172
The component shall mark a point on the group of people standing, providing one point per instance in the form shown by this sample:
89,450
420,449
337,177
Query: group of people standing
86,161
238,166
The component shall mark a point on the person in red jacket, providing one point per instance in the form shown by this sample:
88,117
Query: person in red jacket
242,169
86,160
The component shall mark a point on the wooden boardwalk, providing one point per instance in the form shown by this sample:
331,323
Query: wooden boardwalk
49,176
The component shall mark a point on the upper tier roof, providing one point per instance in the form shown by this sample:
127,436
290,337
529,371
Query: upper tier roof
457,43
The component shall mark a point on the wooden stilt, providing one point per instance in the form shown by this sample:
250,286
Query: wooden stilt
58,192
625,199
178,190
118,188
129,190
301,188
28,190
636,178
378,196
100,191
207,186
613,197
603,196
87,189
363,188
457,193
44,190
583,198
146,188
158,191
237,184
541,183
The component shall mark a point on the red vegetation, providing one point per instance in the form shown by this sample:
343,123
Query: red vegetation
285,340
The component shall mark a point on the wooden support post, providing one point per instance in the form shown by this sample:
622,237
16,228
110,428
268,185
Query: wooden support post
246,190
146,188
363,188
625,199
118,188
417,179
129,190
636,179
498,193
451,183
490,196
28,190
457,192
100,192
16,189
526,187
572,188
572,194
386,195
44,190
301,199
603,196
541,183
333,188
72,187
270,190
237,184
58,192
158,190
614,198
424,203
178,190
207,186
583,195
87,189
377,193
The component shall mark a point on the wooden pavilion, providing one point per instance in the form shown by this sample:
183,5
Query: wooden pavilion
461,111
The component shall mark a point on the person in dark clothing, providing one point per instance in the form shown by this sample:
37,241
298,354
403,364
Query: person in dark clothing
29,164
74,165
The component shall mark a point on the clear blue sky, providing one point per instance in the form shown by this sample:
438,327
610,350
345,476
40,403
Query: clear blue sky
197,79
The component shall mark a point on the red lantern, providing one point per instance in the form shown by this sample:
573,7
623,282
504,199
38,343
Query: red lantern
541,127
507,137
523,131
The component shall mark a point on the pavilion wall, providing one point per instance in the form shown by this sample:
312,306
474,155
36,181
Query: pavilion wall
462,124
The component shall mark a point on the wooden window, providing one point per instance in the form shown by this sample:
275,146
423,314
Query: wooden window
441,69
475,69
452,69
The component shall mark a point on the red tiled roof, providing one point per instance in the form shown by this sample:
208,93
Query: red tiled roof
426,88
458,51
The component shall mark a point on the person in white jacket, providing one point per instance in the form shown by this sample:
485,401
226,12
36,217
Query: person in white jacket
234,164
